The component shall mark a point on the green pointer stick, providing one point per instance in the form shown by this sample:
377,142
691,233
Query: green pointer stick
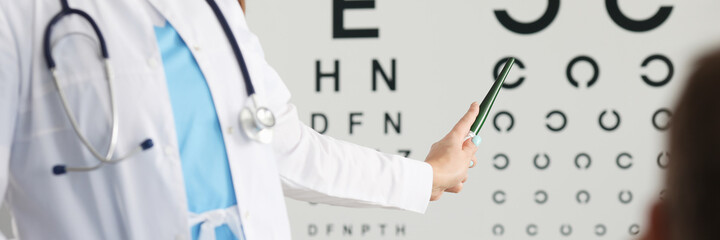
487,103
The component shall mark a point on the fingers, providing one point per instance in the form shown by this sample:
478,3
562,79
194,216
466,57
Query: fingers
435,197
463,126
455,189
469,147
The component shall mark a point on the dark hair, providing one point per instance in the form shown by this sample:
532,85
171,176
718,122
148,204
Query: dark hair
693,177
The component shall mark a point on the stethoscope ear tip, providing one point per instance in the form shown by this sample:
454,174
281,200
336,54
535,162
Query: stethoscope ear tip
147,144
59,170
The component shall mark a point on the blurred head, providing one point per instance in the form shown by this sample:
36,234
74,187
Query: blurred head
691,206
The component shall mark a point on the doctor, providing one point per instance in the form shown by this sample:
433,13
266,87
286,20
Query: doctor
161,119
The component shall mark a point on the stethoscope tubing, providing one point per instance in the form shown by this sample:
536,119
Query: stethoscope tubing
109,76
66,11
71,116
262,127
249,88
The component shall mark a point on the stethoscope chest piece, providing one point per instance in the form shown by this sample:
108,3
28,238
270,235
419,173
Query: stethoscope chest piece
258,125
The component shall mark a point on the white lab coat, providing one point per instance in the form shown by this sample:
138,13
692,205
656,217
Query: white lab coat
144,197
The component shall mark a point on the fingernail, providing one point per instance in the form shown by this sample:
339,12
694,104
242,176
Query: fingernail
472,163
476,140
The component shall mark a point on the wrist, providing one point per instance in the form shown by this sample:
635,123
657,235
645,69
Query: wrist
437,176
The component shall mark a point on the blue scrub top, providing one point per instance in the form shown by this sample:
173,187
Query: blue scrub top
205,167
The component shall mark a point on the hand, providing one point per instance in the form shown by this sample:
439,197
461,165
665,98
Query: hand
450,157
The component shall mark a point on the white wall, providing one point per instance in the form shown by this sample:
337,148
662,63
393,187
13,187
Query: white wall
445,52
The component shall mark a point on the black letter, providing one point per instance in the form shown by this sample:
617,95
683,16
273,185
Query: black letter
399,229
329,229
347,230
352,123
382,229
389,80
319,75
339,30
388,120
364,229
312,230
325,122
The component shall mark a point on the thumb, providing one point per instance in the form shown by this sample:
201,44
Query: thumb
463,126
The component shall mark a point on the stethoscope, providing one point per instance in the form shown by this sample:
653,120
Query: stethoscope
257,121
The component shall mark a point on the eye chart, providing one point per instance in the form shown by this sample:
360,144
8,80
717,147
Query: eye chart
574,147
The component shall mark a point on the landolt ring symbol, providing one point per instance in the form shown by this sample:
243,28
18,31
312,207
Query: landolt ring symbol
564,121
498,230
617,123
541,167
500,200
532,27
580,199
671,70
600,230
634,229
501,167
655,116
637,25
496,72
497,115
577,160
659,160
531,230
544,198
596,71
625,196
566,230
624,166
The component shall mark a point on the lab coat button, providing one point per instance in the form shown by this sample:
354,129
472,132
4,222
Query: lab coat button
196,48
180,236
152,63
168,150
230,130
246,215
